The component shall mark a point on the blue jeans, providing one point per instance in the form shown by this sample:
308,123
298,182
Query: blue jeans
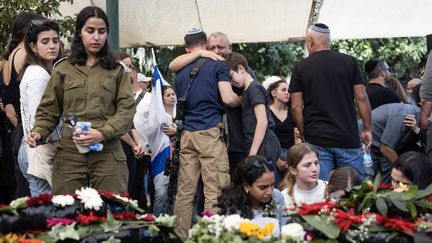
332,158
37,185
161,202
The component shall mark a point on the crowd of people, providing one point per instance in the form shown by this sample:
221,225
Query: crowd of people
83,120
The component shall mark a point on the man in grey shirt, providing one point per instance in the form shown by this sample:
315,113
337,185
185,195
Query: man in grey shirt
389,134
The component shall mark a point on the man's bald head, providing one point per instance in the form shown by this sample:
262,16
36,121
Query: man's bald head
318,38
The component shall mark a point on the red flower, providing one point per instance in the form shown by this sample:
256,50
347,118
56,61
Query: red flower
55,221
429,198
148,218
207,213
106,194
383,186
33,231
40,200
315,207
396,224
2,205
125,216
345,219
86,220
126,195
24,240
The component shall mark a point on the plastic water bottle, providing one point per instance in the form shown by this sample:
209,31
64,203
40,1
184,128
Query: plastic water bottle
367,162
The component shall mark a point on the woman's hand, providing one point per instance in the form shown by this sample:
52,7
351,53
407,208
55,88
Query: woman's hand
138,150
410,121
170,131
32,139
86,138
282,164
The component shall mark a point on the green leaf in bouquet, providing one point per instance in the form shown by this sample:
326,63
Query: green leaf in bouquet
365,205
112,240
111,225
412,209
86,230
319,222
377,182
425,192
392,235
411,193
59,232
400,204
154,230
377,228
381,205
425,204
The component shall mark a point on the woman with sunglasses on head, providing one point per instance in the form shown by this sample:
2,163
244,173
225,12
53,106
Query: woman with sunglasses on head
301,181
92,86
11,64
42,45
251,190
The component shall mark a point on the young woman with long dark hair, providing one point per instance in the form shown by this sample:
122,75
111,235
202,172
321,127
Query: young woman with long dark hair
92,85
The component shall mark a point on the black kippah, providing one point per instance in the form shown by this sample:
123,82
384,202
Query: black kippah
321,28
321,25
371,65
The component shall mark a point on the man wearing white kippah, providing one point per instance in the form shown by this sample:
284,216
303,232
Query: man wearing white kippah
325,87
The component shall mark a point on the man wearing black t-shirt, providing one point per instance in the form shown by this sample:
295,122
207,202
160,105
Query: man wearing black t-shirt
378,72
323,89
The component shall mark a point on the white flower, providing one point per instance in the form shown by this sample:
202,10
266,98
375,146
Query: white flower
18,202
63,200
293,231
232,222
124,199
167,220
90,197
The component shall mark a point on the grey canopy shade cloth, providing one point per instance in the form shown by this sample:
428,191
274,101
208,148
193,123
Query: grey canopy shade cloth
358,19
165,22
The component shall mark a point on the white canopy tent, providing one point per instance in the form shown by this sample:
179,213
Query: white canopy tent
354,19
165,22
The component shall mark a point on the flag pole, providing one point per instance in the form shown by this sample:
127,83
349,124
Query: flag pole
154,57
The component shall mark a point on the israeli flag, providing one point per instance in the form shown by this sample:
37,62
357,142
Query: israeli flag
159,141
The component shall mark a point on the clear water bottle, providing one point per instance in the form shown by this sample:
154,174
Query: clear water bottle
367,162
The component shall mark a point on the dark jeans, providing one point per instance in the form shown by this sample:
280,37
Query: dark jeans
131,164
138,190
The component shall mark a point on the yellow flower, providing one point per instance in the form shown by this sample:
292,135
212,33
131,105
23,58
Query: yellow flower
249,229
266,231
10,238
402,187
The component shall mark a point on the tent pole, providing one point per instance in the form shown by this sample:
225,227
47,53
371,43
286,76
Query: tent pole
112,7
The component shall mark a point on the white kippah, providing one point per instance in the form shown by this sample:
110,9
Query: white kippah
194,31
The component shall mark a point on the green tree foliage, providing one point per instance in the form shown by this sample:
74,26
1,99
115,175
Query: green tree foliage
404,55
9,9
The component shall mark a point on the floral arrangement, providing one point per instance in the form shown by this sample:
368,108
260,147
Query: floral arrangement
233,228
370,212
86,215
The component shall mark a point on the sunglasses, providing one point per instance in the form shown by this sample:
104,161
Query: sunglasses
47,22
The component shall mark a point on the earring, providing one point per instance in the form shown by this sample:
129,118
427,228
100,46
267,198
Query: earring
247,191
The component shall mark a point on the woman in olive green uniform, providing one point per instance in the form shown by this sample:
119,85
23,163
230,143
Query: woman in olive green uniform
92,85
